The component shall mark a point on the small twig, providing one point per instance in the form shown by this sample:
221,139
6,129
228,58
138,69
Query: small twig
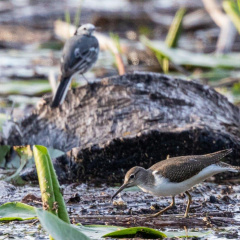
37,202
33,223
120,65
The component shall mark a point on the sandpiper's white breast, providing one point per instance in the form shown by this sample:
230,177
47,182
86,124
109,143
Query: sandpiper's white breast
163,186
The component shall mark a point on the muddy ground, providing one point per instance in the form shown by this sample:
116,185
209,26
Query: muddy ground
214,213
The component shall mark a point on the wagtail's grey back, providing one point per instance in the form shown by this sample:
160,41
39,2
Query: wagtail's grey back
80,52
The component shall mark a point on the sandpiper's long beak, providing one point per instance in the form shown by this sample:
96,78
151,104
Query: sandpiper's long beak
125,185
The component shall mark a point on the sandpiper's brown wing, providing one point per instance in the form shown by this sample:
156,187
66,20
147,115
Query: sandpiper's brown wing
178,169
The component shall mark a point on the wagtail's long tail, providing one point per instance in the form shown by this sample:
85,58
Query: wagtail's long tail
61,92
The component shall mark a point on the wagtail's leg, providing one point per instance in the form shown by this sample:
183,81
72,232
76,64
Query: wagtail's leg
85,78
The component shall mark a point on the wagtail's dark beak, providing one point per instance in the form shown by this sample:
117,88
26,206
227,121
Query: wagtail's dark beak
119,190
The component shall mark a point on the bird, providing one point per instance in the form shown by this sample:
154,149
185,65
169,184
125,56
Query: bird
79,54
176,175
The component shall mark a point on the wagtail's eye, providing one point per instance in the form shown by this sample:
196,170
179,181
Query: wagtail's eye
132,176
84,29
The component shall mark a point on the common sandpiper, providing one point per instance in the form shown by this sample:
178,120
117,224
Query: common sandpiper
177,175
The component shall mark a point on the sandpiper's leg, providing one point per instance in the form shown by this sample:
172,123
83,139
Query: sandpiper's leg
188,204
165,209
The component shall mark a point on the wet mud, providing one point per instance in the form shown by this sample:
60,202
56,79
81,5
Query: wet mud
214,211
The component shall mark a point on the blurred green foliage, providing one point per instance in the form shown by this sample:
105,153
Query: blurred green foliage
54,45
232,8
172,38
236,88
145,30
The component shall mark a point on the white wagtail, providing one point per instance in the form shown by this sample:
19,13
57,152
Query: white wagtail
80,52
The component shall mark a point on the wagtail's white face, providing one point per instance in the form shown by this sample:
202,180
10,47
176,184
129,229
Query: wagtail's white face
86,29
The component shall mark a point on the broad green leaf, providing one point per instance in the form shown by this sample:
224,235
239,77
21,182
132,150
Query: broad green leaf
95,232
48,182
62,210
54,153
4,149
143,232
16,211
57,228
186,58
44,177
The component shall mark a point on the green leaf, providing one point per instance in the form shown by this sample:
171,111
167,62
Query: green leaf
49,183
232,10
172,38
44,177
4,149
57,228
116,40
25,154
55,153
142,232
62,210
175,29
236,89
95,232
16,211
67,17
52,44
78,15
186,58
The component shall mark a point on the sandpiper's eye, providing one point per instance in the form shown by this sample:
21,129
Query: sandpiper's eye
132,176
